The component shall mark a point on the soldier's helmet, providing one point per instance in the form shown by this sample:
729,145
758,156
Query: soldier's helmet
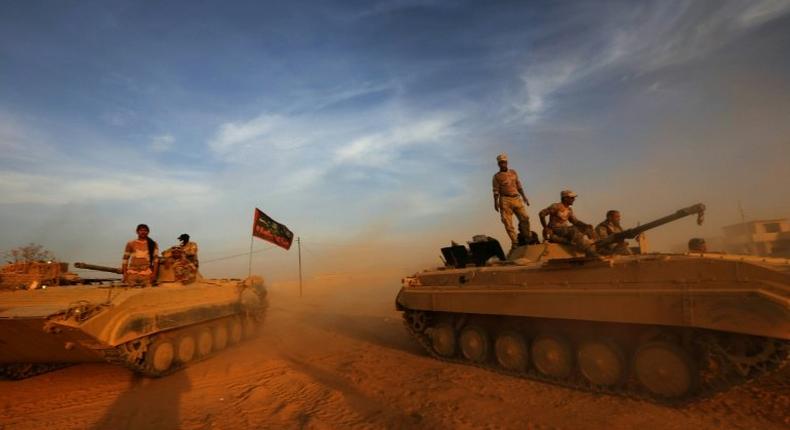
567,193
501,157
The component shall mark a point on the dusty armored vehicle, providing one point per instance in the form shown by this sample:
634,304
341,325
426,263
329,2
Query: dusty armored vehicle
152,331
29,275
666,327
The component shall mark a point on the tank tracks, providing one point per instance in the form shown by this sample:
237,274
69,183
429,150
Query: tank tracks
723,370
141,356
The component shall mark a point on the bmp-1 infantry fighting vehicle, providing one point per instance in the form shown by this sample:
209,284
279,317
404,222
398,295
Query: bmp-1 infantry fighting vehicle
667,327
30,275
152,331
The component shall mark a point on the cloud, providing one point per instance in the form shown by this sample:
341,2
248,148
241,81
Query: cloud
378,149
57,189
162,143
637,40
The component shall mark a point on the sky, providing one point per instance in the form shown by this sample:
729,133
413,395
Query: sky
371,128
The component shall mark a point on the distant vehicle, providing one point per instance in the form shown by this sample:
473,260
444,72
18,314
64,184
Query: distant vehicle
667,327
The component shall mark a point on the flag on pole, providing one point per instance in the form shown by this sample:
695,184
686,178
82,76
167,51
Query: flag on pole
265,228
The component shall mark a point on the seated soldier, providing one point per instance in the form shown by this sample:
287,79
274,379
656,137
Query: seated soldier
190,249
184,271
564,227
608,227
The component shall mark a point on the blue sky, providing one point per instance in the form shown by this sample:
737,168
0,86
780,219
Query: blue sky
366,124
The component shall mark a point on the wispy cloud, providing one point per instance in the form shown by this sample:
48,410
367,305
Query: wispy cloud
162,143
647,38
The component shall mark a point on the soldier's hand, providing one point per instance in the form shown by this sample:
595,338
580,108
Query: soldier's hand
546,233
496,207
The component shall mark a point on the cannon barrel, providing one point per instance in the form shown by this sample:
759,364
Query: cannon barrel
698,209
98,268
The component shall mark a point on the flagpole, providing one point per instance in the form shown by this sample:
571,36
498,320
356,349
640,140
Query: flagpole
249,270
299,247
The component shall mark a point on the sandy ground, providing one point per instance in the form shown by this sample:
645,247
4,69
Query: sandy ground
341,359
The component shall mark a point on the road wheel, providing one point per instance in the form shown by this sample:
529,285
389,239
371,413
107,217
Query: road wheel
160,355
185,350
511,351
475,345
220,336
204,342
552,356
443,339
601,362
665,369
236,331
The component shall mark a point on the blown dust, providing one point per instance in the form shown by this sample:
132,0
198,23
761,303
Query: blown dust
339,357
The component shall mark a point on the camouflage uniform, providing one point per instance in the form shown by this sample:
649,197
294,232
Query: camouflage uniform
606,229
507,188
565,228
184,271
139,270
191,252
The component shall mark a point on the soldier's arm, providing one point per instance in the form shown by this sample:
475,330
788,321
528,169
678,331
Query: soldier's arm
601,232
155,268
127,252
521,189
542,216
495,186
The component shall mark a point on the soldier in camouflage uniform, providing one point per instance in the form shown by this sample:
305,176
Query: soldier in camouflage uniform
509,199
564,227
608,227
190,249
184,271
140,259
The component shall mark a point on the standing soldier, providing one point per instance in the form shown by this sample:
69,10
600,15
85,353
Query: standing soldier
190,249
564,227
509,199
608,227
140,259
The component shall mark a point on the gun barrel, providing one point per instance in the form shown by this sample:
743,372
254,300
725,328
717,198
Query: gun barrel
698,209
98,268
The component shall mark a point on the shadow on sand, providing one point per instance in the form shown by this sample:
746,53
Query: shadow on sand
147,404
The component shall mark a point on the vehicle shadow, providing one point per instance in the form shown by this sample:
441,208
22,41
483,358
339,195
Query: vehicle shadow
147,404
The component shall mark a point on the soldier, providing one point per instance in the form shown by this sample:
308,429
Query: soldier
190,249
175,259
509,199
140,259
608,227
563,227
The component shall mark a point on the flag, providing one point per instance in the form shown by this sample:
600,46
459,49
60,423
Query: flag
270,230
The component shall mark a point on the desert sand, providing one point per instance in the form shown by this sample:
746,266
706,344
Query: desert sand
339,357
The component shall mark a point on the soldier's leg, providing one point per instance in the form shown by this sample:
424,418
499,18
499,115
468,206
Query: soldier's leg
562,235
583,244
523,219
506,213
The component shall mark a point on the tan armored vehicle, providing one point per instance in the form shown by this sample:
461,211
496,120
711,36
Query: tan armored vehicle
152,331
29,275
667,327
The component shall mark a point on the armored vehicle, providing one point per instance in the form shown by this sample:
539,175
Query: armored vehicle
153,331
29,275
666,327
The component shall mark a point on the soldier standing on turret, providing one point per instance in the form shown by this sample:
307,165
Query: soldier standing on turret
509,199
564,227
608,227
140,259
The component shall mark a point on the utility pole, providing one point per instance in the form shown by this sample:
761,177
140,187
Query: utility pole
299,248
